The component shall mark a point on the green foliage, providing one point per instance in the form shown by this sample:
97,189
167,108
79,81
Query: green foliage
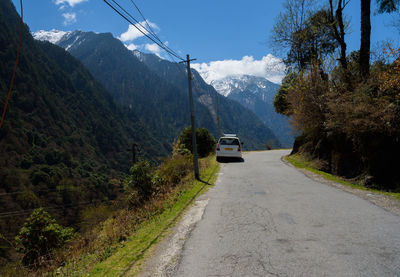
40,236
92,215
62,129
204,140
306,34
138,186
173,169
281,103
313,41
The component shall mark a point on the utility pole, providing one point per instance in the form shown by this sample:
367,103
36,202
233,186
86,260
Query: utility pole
217,109
133,149
134,153
192,119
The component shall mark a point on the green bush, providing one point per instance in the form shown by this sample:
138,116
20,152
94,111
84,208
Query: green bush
173,170
204,140
139,186
40,236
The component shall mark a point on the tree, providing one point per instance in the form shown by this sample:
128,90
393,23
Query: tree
286,34
338,26
365,38
306,34
138,186
205,141
388,6
281,103
39,236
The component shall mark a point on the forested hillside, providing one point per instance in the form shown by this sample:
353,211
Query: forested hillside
156,90
234,118
64,143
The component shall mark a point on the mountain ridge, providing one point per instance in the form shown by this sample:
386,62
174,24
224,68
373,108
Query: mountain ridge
64,140
157,89
257,94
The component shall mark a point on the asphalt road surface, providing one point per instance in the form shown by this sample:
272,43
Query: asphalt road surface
265,218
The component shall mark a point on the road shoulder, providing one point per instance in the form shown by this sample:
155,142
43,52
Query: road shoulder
385,202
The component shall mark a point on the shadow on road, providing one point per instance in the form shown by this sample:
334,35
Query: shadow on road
231,160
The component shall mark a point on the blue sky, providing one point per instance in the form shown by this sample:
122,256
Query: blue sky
209,30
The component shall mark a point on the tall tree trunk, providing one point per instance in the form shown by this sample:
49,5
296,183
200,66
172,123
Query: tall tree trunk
365,38
343,46
337,22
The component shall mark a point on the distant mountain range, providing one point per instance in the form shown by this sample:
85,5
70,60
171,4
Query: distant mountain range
156,89
257,94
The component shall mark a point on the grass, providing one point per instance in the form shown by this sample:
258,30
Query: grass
132,252
300,161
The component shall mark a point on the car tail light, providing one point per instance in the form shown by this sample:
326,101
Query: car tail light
218,147
239,149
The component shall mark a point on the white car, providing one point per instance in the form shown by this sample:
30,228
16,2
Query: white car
229,146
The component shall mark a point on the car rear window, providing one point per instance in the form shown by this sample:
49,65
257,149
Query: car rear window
229,141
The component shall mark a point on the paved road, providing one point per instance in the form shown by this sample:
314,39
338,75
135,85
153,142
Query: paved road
265,218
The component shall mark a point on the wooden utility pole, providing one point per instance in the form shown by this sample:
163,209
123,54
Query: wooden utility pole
217,110
192,119
133,149
134,153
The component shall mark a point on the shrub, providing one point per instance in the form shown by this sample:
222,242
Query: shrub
138,186
204,140
39,236
173,170
93,215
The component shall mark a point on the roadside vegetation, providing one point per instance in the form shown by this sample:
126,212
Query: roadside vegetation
301,161
113,237
345,105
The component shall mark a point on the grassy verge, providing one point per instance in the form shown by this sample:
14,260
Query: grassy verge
300,161
150,232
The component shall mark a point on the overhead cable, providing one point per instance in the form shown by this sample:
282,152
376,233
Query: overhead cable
140,30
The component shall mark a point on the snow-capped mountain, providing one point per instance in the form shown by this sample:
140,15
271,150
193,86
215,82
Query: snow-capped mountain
67,40
52,36
258,86
257,94
156,89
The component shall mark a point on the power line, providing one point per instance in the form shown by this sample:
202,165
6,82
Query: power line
165,48
152,32
15,67
150,29
22,212
171,53
38,191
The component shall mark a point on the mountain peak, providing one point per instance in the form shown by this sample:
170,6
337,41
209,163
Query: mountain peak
52,36
238,83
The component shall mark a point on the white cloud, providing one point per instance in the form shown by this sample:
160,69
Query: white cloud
133,33
269,67
153,48
131,46
69,18
71,3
